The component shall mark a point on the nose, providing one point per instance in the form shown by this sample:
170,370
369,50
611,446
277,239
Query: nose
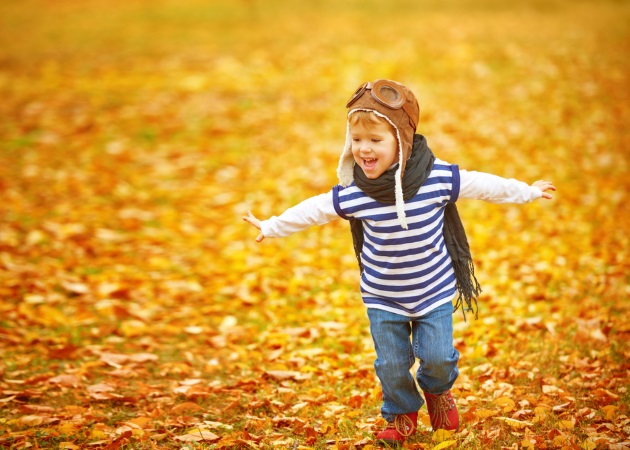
364,146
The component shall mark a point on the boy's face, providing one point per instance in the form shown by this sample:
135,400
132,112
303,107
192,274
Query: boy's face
374,147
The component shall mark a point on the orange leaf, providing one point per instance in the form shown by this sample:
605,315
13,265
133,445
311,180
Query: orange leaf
186,406
609,412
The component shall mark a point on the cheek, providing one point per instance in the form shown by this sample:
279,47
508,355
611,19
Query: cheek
394,153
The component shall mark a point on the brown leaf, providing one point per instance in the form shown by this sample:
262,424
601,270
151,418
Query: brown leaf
186,407
282,375
66,381
63,352
143,357
198,436
100,387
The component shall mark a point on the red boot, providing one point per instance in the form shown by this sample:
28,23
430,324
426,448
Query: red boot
442,411
403,426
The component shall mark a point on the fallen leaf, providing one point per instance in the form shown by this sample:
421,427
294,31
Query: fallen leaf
69,446
186,407
31,421
485,413
610,411
100,387
516,424
445,444
198,436
506,403
441,435
66,381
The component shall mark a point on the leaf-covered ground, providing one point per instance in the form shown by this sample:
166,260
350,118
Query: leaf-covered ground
136,310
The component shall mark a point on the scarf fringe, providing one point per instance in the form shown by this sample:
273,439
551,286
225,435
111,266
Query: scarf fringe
468,287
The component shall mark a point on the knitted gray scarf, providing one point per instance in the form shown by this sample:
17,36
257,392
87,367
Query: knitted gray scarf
417,170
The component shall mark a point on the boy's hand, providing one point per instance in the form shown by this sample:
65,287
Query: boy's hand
254,221
545,186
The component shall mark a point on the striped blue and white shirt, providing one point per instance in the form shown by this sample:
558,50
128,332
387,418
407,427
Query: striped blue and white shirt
406,271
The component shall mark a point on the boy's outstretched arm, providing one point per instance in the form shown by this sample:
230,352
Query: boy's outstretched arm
316,210
495,189
255,222
545,186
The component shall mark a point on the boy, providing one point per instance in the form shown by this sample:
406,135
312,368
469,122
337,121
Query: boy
410,244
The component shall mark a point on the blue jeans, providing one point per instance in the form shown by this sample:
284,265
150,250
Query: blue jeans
431,342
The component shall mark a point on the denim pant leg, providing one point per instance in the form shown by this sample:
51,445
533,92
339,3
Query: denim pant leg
432,336
394,357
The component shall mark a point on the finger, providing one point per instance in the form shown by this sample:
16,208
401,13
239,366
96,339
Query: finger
544,185
252,219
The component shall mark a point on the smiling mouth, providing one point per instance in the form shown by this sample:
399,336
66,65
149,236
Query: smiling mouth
369,163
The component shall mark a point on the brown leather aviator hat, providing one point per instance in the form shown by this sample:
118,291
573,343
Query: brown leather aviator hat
395,103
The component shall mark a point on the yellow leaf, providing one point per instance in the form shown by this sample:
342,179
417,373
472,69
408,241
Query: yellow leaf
133,328
588,444
526,443
141,421
67,428
485,413
513,423
98,434
441,435
506,403
68,445
540,414
560,440
445,444
566,425
48,315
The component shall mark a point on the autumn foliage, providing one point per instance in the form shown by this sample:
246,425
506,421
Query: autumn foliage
136,310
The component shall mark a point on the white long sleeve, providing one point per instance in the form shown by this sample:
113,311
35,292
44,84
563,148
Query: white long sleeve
320,209
495,189
316,210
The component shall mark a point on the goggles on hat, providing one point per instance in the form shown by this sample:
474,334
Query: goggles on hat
385,92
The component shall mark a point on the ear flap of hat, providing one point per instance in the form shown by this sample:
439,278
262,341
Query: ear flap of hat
346,160
400,200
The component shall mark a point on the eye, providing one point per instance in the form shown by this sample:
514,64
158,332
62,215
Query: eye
376,140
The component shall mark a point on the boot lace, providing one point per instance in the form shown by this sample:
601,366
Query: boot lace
403,424
441,405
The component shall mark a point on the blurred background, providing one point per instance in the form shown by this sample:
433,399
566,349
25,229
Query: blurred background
134,136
